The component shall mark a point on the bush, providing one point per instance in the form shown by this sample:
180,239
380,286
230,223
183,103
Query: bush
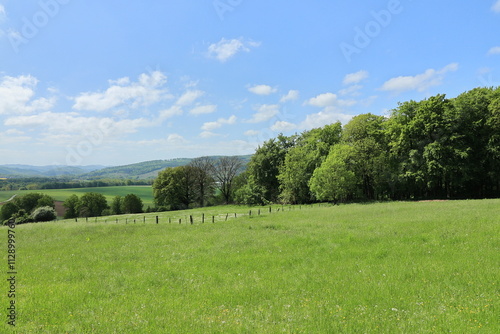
44,214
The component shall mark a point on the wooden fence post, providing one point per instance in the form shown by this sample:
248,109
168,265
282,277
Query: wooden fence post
202,218
156,219
213,219
191,219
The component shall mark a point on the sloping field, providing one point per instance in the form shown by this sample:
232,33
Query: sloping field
381,268
144,192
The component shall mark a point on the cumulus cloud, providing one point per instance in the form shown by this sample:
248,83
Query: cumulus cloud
496,7
226,49
324,117
262,90
283,126
189,97
291,96
355,78
323,100
265,112
494,51
210,126
170,112
146,91
199,110
419,82
70,123
17,96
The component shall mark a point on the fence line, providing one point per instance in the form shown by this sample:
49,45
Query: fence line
168,217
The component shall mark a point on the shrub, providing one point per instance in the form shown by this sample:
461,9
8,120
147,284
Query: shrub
44,214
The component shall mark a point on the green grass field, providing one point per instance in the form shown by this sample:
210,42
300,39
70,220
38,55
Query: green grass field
429,267
144,192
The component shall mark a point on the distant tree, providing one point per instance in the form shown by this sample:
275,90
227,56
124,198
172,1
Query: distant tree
71,204
174,188
204,182
44,214
8,210
30,202
92,205
132,204
117,205
224,170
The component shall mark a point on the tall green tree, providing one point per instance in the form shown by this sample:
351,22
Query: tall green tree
265,164
204,182
335,179
132,204
92,204
174,188
309,152
72,205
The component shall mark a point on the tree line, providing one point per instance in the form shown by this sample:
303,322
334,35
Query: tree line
431,149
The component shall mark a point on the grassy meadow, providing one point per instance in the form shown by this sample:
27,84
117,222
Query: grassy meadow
144,192
429,267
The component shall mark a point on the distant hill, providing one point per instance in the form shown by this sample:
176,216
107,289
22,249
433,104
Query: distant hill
143,170
137,171
12,170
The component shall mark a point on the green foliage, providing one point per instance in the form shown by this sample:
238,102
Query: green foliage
174,187
132,204
72,205
44,214
31,201
265,165
335,179
117,205
8,210
301,160
92,205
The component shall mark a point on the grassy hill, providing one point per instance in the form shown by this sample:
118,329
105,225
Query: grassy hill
378,268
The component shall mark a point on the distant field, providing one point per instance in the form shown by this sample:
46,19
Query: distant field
144,192
430,267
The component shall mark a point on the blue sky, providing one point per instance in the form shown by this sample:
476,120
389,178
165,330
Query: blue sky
116,82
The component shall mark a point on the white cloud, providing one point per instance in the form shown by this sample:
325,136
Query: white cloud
210,126
170,112
420,82
146,91
496,7
251,133
72,123
176,139
262,90
323,100
3,14
17,93
226,49
265,112
283,126
189,97
494,51
355,78
208,134
351,91
324,117
199,110
291,96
